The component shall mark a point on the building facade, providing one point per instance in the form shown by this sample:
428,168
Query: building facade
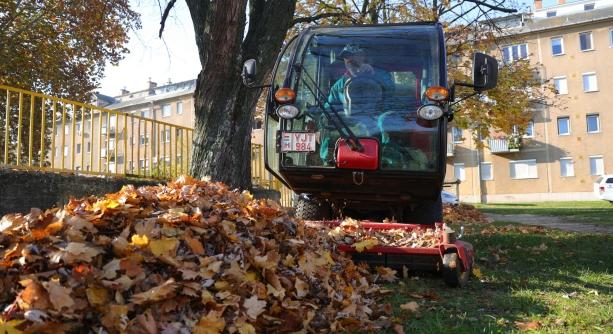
565,146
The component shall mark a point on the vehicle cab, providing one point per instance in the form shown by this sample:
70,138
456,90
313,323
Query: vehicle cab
358,115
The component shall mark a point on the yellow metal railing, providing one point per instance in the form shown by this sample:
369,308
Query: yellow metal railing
47,133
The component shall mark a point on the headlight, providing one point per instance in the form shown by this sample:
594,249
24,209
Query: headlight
430,112
288,111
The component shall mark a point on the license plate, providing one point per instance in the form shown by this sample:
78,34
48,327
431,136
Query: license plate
297,142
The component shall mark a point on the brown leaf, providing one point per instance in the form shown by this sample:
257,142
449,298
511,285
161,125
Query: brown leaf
194,245
34,295
410,306
59,295
527,325
398,329
211,323
157,293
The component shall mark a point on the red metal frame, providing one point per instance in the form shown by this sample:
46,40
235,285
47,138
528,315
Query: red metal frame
464,249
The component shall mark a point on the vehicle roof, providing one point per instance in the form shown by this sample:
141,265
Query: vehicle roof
363,27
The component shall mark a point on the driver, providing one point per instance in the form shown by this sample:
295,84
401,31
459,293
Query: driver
359,93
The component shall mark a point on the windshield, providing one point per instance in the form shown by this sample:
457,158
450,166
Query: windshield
372,80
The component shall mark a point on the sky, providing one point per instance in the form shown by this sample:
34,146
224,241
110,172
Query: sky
174,57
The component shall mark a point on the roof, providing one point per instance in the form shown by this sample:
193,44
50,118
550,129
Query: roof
550,23
159,93
104,100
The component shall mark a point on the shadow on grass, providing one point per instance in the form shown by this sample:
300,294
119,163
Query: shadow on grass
523,277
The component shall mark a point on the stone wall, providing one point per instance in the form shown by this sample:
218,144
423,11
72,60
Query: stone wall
21,190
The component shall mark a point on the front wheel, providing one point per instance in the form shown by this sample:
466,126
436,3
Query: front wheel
452,271
311,209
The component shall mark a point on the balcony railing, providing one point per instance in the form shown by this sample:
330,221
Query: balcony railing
505,145
47,133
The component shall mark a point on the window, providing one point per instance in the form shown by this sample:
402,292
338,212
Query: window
89,147
585,41
179,160
588,6
567,167
87,168
514,52
456,134
593,123
179,108
144,113
563,126
78,148
66,129
130,165
65,150
111,144
113,121
551,13
560,85
141,164
459,172
590,84
166,110
523,169
144,140
77,167
596,165
103,152
78,127
166,136
486,171
611,37
557,46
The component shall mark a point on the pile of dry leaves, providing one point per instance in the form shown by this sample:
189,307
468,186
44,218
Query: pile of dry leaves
188,257
352,232
463,214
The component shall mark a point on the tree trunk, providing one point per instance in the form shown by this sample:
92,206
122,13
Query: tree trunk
224,108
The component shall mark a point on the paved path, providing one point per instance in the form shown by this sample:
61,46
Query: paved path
551,222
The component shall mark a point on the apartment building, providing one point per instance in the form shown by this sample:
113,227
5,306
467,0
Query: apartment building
148,132
565,146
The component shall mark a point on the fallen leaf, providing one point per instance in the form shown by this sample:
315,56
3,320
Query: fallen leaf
194,245
365,244
254,307
157,293
477,272
58,295
410,306
164,246
139,240
97,296
527,325
211,323
302,288
387,274
8,327
34,295
398,329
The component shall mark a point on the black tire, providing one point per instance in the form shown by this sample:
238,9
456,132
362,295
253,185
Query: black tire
311,209
426,212
452,271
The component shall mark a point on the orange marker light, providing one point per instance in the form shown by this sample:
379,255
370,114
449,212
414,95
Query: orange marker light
437,93
285,95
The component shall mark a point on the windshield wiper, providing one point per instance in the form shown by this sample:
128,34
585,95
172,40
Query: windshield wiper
345,132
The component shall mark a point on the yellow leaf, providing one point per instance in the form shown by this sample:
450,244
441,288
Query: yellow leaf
164,246
365,244
477,272
97,296
8,327
212,323
246,329
139,240
251,276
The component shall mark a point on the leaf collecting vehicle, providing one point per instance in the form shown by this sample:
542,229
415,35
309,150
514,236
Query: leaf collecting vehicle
356,123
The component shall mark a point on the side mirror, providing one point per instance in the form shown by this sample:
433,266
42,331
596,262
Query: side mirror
248,74
485,72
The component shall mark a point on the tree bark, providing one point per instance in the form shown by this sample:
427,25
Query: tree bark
224,108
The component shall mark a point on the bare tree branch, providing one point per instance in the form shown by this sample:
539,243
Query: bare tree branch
494,7
309,19
165,16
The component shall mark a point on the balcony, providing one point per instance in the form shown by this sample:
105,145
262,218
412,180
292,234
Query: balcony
505,145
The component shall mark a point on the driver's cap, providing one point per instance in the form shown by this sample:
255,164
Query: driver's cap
351,50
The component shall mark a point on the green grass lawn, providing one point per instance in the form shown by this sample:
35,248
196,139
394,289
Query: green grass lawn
557,281
592,212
